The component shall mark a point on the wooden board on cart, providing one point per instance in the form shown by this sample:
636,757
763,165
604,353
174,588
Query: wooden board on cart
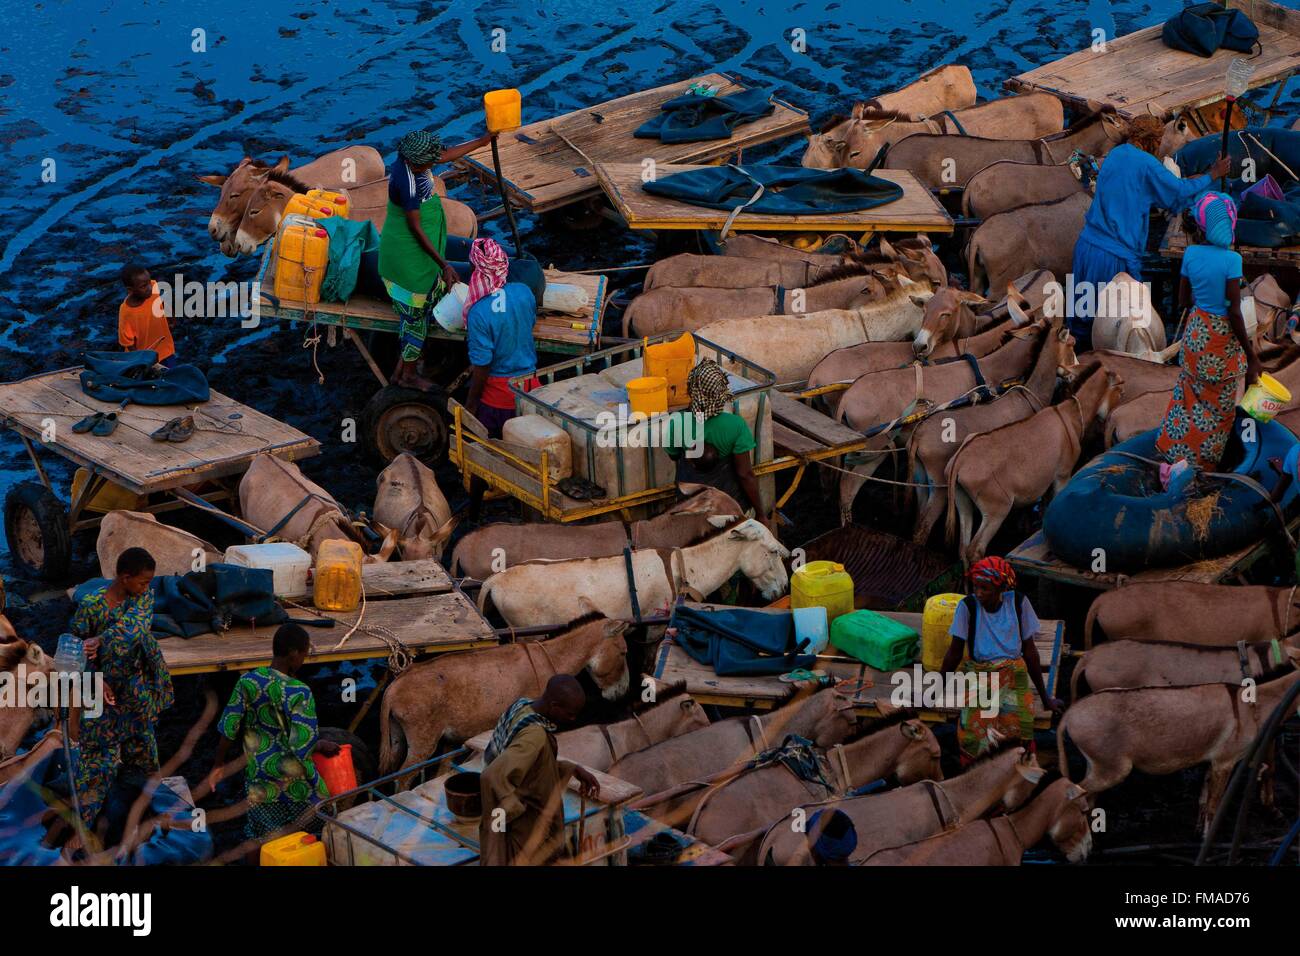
1175,244
1138,74
423,623
228,434
368,313
1035,557
542,171
389,579
673,665
915,211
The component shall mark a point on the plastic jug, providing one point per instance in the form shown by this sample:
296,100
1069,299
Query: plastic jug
109,497
825,584
287,562
1265,398
810,625
338,772
303,254
876,640
70,655
304,204
648,396
541,434
935,622
338,576
296,849
673,361
450,310
337,201
563,297
503,109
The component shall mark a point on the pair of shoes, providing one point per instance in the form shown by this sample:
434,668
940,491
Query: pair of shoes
801,674
176,430
100,423
580,489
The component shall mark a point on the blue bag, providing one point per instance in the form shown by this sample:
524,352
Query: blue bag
736,641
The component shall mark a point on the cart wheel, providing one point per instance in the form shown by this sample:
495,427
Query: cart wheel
36,527
400,419
363,760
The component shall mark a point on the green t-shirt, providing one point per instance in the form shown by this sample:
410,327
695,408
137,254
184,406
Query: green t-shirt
726,432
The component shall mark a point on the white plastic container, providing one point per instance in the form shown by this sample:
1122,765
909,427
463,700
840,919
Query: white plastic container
287,562
563,297
542,434
810,624
449,312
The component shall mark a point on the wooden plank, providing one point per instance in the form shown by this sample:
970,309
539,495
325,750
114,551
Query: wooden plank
916,211
228,434
1137,73
431,623
787,441
543,172
395,579
1175,243
674,665
798,416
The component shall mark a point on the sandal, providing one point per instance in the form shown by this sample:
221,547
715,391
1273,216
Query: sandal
800,674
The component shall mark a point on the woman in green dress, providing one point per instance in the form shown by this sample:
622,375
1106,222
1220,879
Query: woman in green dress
413,245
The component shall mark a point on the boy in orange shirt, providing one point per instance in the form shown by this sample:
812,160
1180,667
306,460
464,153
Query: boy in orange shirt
142,318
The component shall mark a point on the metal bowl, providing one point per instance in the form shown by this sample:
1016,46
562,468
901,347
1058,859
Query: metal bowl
463,796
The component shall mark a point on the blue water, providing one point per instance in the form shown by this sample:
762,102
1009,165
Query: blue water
117,98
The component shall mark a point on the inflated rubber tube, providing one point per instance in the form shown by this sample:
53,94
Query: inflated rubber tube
1115,504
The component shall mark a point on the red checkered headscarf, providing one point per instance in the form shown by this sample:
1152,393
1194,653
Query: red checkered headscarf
490,268
995,571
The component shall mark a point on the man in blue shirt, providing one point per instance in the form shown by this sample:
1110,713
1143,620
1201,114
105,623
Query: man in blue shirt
499,319
1114,236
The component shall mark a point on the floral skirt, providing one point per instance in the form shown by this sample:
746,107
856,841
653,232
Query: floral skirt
1012,711
1203,406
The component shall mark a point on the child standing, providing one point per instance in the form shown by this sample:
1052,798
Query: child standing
142,316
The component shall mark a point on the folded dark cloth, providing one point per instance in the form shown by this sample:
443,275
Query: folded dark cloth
788,190
692,118
126,377
1205,27
1262,220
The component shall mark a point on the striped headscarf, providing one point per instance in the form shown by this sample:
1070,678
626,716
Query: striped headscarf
1216,214
490,268
995,571
420,148
708,388
518,715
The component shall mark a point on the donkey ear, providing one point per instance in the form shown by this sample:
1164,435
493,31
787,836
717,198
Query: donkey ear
213,180
1075,792
911,731
920,301
34,653
1030,772
281,165
721,521
886,249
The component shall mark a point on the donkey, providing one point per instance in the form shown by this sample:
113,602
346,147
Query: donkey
600,746
1185,612
1033,236
1127,664
1005,185
453,697
17,718
992,471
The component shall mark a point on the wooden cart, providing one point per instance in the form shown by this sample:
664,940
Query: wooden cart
1138,74
551,163
1175,243
43,408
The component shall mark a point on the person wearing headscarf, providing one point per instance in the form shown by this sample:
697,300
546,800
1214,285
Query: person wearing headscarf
711,445
832,837
413,245
994,629
499,319
1217,356
1114,236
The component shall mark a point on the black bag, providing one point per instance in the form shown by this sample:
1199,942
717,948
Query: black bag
740,640
1206,27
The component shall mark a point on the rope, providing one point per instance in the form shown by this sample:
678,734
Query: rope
400,656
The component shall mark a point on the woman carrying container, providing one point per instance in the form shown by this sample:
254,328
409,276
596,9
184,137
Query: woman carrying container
413,245
1114,236
999,626
1216,354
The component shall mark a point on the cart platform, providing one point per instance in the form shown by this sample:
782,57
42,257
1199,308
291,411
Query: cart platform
916,211
542,171
1138,74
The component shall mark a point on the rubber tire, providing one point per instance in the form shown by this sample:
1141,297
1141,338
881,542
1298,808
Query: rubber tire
391,397
51,519
363,759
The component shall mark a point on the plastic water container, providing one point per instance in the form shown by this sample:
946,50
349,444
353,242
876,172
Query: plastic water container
449,312
337,201
338,576
876,640
504,109
287,563
338,772
304,204
563,297
1265,398
810,625
648,395
70,655
303,255
109,497
822,584
541,434
296,849
935,622
672,361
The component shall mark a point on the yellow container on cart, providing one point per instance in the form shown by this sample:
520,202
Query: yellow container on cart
334,200
504,110
305,204
825,584
302,256
672,361
648,396
338,576
296,849
935,622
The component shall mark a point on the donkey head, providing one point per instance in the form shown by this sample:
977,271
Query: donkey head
1070,830
261,217
761,558
920,757
608,662
1026,778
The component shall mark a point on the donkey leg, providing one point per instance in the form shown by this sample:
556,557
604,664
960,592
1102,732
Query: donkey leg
992,517
931,513
965,519
1216,781
851,483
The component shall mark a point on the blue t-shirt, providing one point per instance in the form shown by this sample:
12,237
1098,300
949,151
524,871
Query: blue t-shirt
1131,181
503,341
1208,269
407,189
998,636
